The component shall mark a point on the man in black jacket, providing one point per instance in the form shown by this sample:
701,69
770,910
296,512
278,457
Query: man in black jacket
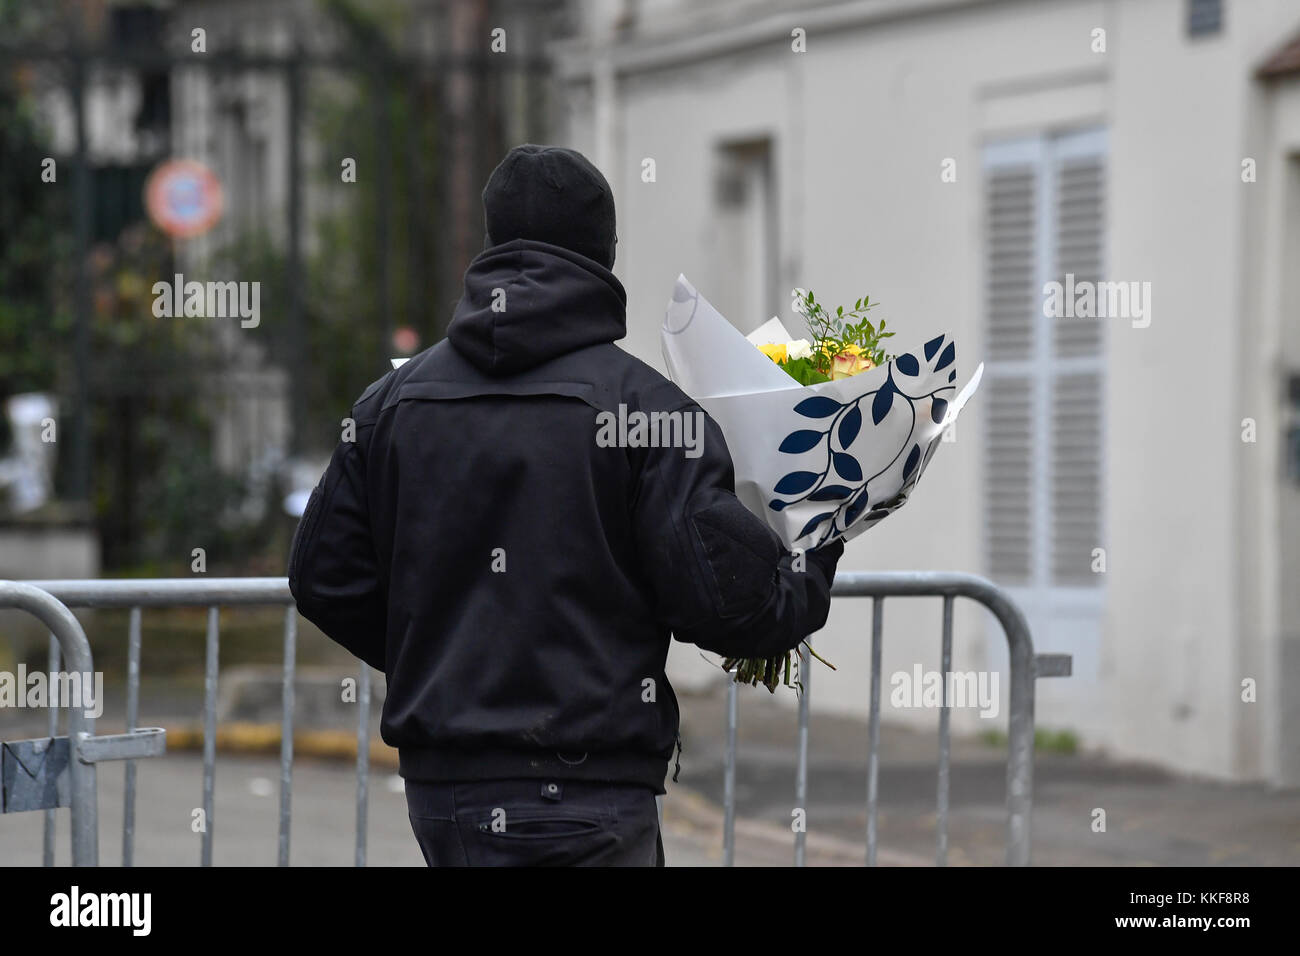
516,578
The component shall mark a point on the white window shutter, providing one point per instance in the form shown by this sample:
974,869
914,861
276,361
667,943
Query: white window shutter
1076,479
1044,437
1008,478
1011,297
1078,249
1013,294
1076,391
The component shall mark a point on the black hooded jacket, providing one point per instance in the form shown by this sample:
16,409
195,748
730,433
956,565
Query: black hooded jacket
514,576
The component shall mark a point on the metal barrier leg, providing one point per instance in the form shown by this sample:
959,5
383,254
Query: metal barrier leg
286,730
363,762
132,719
85,799
801,773
209,732
873,756
729,778
945,739
48,842
1020,751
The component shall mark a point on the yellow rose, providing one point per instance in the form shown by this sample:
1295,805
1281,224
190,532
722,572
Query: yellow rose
775,352
846,366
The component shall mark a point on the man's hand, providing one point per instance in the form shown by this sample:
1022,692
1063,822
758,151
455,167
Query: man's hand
827,558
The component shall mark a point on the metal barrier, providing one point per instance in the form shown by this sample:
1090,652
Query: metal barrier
1025,668
213,593
50,600
31,769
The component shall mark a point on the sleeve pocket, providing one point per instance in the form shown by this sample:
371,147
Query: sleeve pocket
302,536
742,555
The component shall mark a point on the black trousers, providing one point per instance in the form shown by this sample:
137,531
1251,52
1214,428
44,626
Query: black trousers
523,822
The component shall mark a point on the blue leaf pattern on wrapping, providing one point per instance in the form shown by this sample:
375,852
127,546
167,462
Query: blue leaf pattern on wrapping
796,483
819,406
811,525
831,493
796,443
852,501
912,458
848,467
883,401
850,425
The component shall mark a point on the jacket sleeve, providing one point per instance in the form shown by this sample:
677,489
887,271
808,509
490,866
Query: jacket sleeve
721,578
333,572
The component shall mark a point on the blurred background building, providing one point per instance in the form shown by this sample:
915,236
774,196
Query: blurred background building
1134,480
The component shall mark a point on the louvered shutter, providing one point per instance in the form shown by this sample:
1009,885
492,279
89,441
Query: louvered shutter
1012,279
1011,298
1076,382
1044,203
1008,478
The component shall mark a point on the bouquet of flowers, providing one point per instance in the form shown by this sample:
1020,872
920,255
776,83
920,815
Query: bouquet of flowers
839,346
829,434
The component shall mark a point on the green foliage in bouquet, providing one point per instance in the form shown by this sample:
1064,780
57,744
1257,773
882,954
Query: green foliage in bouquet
805,371
848,332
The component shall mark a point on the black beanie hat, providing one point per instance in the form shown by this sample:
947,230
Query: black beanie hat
554,195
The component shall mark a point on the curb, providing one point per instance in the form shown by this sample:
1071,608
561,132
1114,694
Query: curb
240,737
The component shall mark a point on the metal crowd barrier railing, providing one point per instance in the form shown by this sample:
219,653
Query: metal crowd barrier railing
212,593
50,601
1025,667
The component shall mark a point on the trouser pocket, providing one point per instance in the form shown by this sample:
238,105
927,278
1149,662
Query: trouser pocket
556,823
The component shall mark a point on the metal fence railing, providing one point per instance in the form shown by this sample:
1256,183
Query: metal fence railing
213,594
1025,667
50,601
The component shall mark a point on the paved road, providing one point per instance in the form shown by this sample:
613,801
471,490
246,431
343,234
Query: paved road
1152,818
323,830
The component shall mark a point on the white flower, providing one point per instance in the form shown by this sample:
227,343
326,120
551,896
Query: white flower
799,349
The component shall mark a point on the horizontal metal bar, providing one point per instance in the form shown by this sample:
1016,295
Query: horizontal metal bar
139,743
228,591
1053,665
168,592
913,584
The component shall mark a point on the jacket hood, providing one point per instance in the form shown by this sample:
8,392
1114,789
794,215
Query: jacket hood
551,301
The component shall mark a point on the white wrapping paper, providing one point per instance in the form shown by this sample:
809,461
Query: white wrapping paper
819,462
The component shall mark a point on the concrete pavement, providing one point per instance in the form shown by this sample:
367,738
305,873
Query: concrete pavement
1152,818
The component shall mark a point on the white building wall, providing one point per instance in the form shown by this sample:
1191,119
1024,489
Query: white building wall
861,124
